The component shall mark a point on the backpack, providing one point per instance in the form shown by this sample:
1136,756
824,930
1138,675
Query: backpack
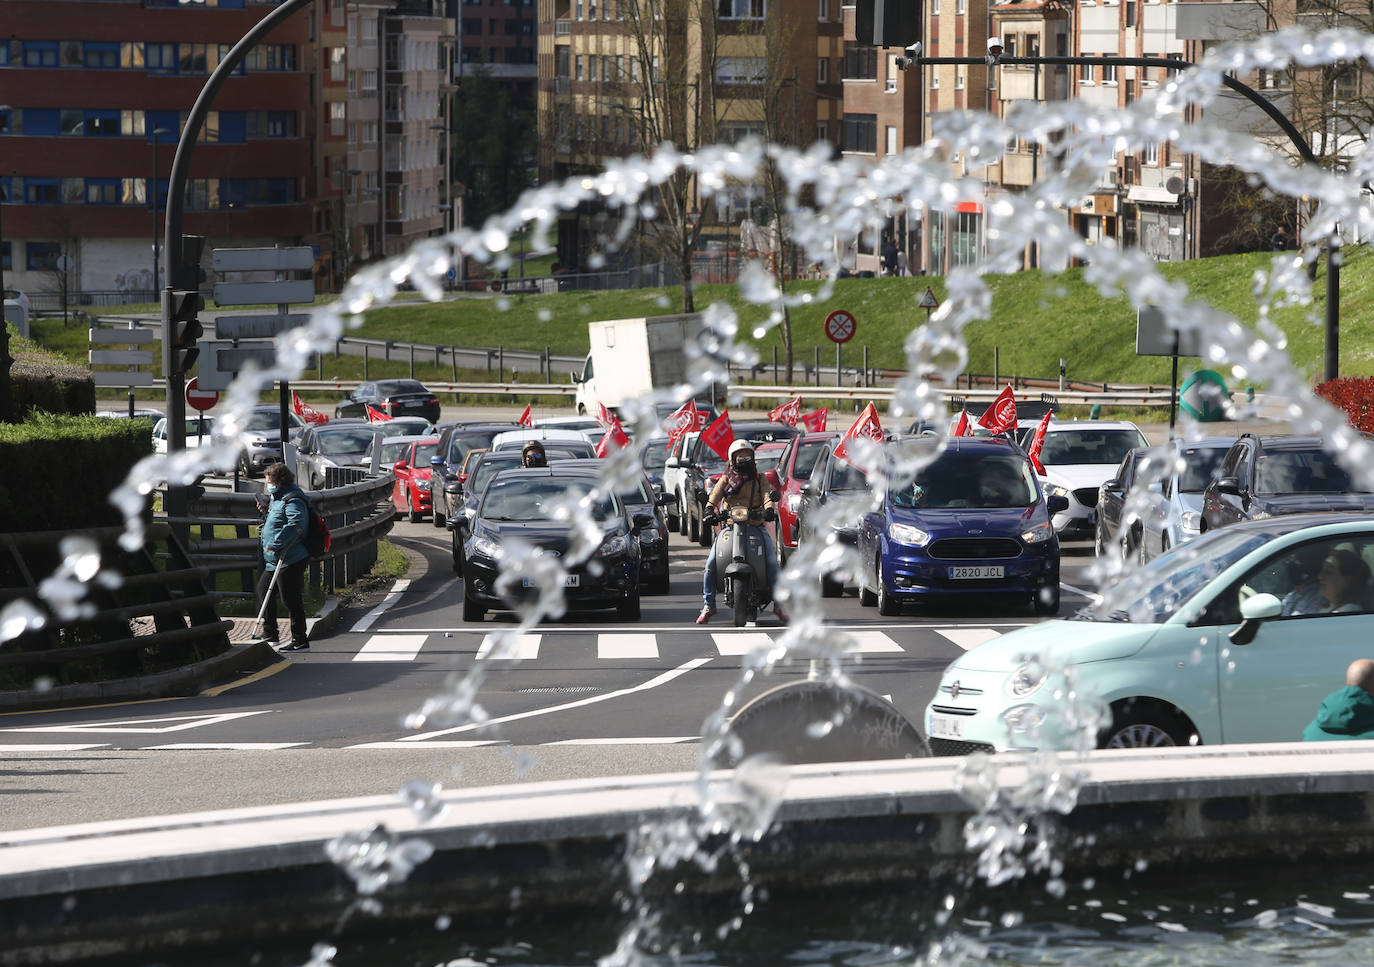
317,538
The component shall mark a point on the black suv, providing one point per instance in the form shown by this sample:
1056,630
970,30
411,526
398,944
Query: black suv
1270,476
455,440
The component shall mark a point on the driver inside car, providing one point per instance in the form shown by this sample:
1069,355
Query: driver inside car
742,486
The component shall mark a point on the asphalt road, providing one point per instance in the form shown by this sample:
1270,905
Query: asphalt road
583,696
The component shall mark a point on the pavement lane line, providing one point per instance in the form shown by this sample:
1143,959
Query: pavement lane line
257,676
734,644
523,648
391,648
441,744
226,746
614,646
633,740
872,642
654,682
1080,592
967,638
696,629
394,595
175,723
54,747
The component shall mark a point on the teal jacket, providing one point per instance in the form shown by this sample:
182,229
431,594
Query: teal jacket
1346,714
284,527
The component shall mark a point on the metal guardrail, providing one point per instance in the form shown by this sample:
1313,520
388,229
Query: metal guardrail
358,512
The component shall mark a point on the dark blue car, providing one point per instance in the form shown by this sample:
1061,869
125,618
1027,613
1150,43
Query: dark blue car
973,522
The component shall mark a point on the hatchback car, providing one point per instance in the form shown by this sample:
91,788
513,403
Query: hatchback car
261,438
1234,637
642,500
198,429
332,445
972,524
832,478
523,505
793,471
1077,458
478,470
1175,515
456,441
412,470
1267,476
394,397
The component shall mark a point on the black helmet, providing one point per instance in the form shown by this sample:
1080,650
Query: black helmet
532,454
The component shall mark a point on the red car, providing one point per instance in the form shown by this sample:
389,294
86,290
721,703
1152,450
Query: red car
792,472
412,491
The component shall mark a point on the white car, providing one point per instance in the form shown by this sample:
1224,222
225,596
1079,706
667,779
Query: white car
392,448
574,440
586,423
197,428
1078,457
1175,515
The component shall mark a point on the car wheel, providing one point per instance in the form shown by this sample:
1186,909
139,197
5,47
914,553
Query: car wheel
411,513
628,610
693,530
1130,544
1099,543
867,596
681,516
887,605
246,468
659,585
1046,600
472,611
436,518
1144,728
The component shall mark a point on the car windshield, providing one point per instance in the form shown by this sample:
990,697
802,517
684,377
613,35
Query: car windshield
1089,446
1199,468
768,459
423,453
1154,593
1301,472
346,441
655,453
637,495
958,479
391,452
487,467
846,476
199,425
264,421
806,459
538,498
395,386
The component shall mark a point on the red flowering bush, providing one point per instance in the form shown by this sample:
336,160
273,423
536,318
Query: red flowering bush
1354,396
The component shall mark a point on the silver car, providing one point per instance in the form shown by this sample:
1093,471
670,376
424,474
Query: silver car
1175,515
261,438
334,444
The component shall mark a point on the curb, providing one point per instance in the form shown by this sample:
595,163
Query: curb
188,680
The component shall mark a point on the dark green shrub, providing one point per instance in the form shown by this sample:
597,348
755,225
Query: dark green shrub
56,470
40,380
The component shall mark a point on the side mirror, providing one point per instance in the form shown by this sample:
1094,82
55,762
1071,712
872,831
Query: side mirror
672,463
811,490
1156,486
572,378
1254,610
772,477
1112,486
665,500
643,520
1228,485
399,465
1056,504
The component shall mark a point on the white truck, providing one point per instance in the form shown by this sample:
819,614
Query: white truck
629,357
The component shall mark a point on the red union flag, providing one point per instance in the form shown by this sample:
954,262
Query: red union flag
866,426
375,415
1038,443
961,428
307,412
681,420
1001,415
526,418
815,420
789,412
719,435
603,416
615,439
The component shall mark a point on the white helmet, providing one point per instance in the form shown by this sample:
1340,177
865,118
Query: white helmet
736,447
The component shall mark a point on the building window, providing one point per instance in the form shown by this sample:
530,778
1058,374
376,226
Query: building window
369,31
1089,74
741,9
935,8
338,63
935,79
102,191
740,70
578,65
160,58
891,133
960,7
891,81
1108,73
102,124
1152,154
824,12
42,256
822,131
823,70
97,56
271,57
6,256
861,133
4,54
860,62
1130,13
41,121
40,53
959,78
370,82
6,124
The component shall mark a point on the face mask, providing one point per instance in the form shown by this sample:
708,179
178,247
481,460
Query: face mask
744,465
273,489
536,460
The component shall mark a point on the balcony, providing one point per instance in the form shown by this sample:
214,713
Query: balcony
562,27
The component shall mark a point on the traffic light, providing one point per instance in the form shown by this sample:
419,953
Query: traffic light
181,305
888,23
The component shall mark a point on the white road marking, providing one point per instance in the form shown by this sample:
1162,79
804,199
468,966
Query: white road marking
695,629
655,682
1080,592
391,648
159,726
633,740
55,747
737,643
523,648
626,646
871,642
369,619
967,638
456,744
225,746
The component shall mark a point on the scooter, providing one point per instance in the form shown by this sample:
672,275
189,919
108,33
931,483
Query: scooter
739,557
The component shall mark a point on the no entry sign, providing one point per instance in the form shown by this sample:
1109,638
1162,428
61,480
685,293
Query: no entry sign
199,399
840,326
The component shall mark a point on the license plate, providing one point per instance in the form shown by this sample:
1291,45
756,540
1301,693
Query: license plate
944,727
571,581
1092,517
976,572
414,403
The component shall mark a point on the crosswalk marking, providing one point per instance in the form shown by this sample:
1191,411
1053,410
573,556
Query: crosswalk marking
391,648
739,643
871,642
523,648
223,746
967,638
627,646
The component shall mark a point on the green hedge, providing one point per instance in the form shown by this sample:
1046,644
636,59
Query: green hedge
59,469
44,381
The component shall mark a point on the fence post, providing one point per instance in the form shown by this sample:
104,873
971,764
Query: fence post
816,363
866,373
500,364
367,357
548,365
996,366
386,350
412,360
319,366
438,356
453,358
775,365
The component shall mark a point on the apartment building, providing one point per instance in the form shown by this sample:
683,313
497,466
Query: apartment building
501,38
93,98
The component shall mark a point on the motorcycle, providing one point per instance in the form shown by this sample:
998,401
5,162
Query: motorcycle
739,557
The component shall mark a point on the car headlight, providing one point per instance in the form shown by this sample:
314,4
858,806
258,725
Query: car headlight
613,545
1026,679
906,534
1023,719
423,483
793,502
257,441
1054,490
1191,521
486,547
1038,534
327,462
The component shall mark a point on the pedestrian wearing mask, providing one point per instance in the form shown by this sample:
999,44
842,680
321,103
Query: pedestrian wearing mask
532,455
282,534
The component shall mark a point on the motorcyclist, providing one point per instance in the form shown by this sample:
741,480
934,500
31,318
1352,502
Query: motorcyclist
532,455
741,486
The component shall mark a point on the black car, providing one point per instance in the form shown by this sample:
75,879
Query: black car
394,397
456,441
522,505
642,499
831,478
484,465
1111,508
1269,476
704,467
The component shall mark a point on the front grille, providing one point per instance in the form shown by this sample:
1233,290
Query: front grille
955,747
1087,496
974,548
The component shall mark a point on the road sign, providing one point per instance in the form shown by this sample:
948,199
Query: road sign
840,326
221,360
257,327
199,399
116,377
1155,337
101,336
299,258
265,293
928,301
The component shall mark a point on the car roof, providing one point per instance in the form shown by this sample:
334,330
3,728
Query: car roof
1289,441
408,439
542,434
1288,523
560,471
1071,425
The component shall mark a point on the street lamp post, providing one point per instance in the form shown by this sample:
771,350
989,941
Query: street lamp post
5,359
153,197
